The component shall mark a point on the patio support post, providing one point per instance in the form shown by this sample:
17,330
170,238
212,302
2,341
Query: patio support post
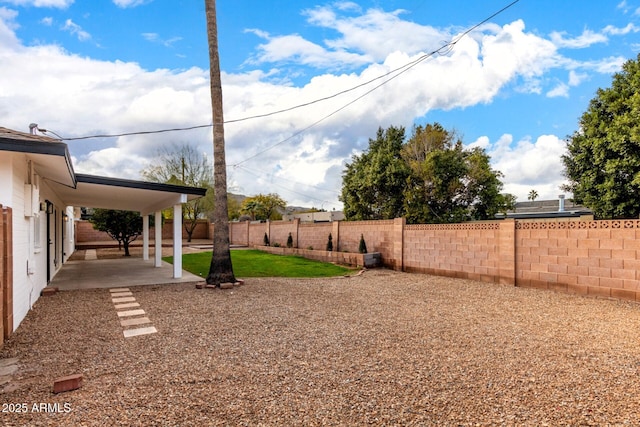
158,239
177,240
145,237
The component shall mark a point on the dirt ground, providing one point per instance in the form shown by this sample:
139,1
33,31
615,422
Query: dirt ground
382,348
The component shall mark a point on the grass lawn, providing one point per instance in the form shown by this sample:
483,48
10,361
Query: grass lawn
254,263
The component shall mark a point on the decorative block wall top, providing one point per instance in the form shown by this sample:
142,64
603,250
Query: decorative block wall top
461,226
600,224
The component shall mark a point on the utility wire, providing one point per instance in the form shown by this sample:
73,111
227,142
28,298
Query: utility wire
442,50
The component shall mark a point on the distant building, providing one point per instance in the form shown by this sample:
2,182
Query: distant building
558,208
315,216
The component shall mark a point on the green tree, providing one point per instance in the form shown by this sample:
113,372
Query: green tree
122,226
221,268
373,183
183,165
533,195
431,178
602,163
264,206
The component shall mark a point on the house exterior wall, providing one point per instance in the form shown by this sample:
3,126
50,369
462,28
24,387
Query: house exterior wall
29,233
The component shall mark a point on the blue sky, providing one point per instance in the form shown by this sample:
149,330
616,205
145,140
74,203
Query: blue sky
515,86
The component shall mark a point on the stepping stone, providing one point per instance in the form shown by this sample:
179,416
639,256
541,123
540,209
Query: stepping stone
140,331
112,290
135,321
127,305
90,254
121,294
122,299
130,313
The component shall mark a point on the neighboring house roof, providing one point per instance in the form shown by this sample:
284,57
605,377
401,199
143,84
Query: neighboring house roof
547,209
53,163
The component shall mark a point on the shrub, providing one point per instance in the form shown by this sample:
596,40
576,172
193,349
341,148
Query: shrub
266,239
310,248
330,243
289,241
362,247
276,245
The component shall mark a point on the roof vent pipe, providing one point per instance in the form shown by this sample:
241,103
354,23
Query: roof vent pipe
33,128
561,203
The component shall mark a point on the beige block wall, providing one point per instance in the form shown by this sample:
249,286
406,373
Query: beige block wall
279,232
316,236
378,236
455,250
599,258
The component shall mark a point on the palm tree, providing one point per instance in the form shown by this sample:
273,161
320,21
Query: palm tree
533,195
221,269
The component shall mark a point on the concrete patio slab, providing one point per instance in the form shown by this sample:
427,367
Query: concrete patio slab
114,290
114,273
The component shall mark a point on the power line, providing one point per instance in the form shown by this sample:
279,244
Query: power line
289,189
400,70
445,48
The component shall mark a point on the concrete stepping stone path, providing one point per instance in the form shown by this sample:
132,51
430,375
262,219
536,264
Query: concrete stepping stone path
129,314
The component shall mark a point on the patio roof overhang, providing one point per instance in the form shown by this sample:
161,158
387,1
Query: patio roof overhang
113,193
52,162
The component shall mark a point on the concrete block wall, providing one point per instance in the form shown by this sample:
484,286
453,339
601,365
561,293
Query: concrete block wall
378,236
85,232
256,233
456,250
599,258
279,232
316,236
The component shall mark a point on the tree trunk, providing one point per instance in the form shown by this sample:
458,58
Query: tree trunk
220,270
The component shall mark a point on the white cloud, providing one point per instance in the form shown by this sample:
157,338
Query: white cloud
48,21
76,96
528,165
61,4
615,31
561,90
76,30
586,39
130,3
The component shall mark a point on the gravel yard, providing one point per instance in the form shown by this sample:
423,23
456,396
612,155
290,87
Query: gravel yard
383,348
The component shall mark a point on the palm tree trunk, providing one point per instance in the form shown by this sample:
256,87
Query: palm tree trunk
221,269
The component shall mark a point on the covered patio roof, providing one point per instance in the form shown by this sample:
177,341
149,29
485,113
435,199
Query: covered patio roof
52,163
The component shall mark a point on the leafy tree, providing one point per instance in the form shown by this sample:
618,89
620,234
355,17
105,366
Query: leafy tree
264,206
533,195
372,184
602,162
221,268
183,165
431,178
122,226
